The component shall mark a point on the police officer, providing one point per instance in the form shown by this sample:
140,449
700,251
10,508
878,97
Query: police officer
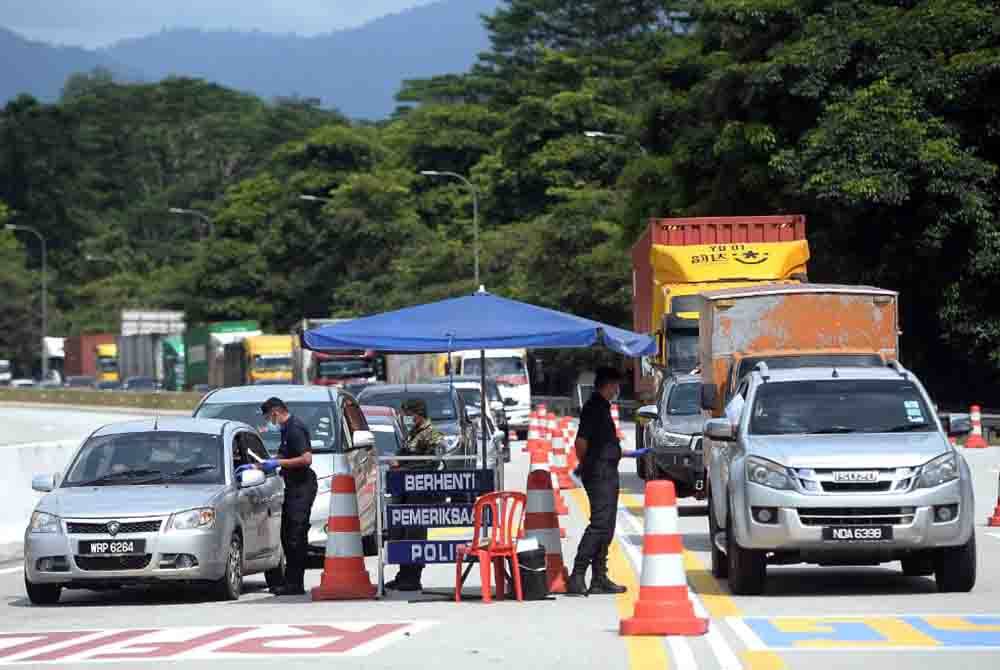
295,461
422,440
599,452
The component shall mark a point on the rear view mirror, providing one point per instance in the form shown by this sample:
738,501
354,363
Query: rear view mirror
720,430
709,396
43,483
959,425
364,439
250,478
647,413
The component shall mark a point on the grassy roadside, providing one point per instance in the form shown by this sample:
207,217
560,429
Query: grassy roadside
111,399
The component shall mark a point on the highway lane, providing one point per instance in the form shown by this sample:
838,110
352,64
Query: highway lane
21,424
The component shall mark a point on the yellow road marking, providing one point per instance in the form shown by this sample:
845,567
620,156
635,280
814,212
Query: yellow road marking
644,653
959,624
716,600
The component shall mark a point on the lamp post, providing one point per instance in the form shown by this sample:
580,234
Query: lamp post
45,292
475,209
201,215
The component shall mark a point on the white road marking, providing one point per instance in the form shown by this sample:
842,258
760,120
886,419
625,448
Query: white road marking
743,632
996,535
681,655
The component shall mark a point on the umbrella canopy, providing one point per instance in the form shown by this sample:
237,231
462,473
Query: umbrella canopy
479,321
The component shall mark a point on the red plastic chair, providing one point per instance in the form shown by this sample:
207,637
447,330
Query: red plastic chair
492,543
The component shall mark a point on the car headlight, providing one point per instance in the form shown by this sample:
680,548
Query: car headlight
203,517
45,523
939,471
767,473
676,439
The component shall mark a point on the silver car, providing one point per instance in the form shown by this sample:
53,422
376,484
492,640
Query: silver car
838,466
672,430
156,501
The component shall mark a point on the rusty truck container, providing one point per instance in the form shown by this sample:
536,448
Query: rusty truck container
793,325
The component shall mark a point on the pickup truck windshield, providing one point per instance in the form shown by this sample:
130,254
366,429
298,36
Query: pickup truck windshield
685,400
839,406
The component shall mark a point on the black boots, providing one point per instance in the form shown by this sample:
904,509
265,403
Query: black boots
577,585
600,585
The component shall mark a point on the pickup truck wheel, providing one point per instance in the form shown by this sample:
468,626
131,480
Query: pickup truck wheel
747,567
955,567
720,565
42,594
921,565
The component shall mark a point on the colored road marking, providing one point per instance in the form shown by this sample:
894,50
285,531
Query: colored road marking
203,643
971,631
869,633
644,653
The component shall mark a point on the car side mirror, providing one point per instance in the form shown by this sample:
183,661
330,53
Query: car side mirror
251,478
709,396
720,430
43,483
647,413
959,425
509,402
363,439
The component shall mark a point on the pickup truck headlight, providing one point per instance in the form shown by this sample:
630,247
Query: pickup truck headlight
203,517
45,523
939,471
675,440
769,474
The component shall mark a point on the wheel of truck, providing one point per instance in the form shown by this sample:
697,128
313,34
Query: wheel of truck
720,566
747,567
919,565
955,567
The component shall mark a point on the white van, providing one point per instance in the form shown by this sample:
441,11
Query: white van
510,369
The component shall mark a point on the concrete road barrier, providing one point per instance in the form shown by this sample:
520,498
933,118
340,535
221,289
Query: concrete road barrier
109,399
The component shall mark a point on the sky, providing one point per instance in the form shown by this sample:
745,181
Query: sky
97,23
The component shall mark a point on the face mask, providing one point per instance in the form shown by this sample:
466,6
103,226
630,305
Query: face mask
617,394
409,422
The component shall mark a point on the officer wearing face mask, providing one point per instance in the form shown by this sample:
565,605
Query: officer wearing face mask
423,439
599,452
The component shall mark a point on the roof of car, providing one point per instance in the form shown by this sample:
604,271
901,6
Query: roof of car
818,374
172,424
687,379
395,389
258,394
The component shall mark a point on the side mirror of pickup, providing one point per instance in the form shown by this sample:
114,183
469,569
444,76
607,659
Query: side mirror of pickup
959,425
709,396
647,413
720,430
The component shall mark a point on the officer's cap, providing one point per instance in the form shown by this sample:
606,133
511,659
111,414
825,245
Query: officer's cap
415,406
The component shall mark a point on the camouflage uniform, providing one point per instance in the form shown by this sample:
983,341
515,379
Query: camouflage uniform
422,441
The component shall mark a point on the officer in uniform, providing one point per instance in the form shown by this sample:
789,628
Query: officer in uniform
295,461
423,440
599,452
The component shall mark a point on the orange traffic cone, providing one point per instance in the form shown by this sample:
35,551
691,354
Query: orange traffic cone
535,437
975,439
540,462
344,574
994,521
560,464
542,523
663,607
616,417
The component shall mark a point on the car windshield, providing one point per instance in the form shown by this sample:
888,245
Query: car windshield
439,405
276,363
148,457
685,400
839,406
386,439
495,367
317,416
345,369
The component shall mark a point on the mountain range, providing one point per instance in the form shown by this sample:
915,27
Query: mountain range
357,71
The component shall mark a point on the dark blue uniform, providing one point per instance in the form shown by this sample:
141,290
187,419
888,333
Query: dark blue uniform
300,493
599,472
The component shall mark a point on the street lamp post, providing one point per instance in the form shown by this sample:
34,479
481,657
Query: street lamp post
45,293
475,209
201,215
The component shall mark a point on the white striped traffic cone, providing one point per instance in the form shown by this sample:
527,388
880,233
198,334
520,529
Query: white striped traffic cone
344,574
541,461
975,439
542,523
560,466
616,417
663,607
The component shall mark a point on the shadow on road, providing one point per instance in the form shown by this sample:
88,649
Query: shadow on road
133,597
806,582
697,542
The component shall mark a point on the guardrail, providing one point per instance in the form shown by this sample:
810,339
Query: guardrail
116,399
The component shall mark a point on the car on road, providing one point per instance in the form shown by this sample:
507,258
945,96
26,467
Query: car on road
336,425
387,424
23,383
498,405
838,466
447,413
153,502
80,382
496,439
141,385
672,429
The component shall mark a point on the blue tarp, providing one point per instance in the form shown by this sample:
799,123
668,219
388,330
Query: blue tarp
479,321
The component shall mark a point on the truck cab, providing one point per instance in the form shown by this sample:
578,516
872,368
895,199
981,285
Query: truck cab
837,466
107,363
510,369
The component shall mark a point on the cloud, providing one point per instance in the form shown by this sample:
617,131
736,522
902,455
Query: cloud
100,22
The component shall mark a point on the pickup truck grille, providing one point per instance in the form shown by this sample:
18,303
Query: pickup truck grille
856,516
886,480
876,487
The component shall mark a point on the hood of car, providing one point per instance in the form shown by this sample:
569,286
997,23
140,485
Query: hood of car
688,424
853,451
128,501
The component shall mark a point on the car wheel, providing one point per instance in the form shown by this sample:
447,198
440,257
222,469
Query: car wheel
42,594
919,565
747,567
230,587
955,567
275,577
720,565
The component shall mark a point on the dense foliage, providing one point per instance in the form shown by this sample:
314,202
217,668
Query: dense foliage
876,118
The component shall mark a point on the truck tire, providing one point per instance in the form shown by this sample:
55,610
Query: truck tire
747,567
919,565
42,594
955,567
720,564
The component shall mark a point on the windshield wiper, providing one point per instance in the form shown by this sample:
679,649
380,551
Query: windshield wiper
198,469
831,430
124,474
906,427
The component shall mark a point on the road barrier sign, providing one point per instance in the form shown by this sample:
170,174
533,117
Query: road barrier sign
429,516
408,552
444,482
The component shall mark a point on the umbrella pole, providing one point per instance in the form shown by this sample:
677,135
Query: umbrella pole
482,408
